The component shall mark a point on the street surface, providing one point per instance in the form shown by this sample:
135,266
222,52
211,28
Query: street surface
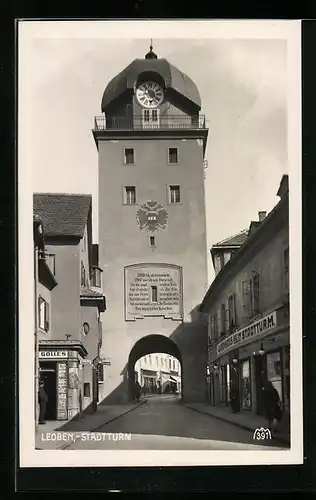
164,423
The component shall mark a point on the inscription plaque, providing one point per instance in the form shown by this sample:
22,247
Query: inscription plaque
153,290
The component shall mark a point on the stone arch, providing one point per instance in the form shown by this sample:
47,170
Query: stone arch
148,345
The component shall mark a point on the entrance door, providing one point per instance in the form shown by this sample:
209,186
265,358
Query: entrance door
261,375
48,375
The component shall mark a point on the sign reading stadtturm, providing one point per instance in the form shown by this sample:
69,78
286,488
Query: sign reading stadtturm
248,334
153,290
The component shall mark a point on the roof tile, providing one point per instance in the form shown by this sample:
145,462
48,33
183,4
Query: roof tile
235,240
62,214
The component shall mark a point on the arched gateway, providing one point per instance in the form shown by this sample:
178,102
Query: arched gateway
151,142
148,345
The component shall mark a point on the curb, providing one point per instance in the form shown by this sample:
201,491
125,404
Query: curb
120,415
65,446
242,426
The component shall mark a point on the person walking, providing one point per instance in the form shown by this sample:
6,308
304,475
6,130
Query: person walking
137,391
272,405
42,400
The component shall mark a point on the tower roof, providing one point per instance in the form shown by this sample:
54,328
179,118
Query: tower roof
172,76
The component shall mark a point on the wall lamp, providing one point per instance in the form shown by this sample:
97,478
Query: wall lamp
261,351
235,361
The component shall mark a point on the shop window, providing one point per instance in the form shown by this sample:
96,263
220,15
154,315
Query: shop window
245,385
274,372
228,383
86,390
286,373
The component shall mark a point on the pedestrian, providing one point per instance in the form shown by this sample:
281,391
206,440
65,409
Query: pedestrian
137,391
234,399
272,405
42,400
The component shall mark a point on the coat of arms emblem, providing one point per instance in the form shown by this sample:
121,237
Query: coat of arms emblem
152,216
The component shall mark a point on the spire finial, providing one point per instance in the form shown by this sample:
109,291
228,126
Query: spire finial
151,54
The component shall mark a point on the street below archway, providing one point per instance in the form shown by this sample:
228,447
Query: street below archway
163,423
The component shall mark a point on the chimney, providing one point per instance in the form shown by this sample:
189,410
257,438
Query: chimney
262,216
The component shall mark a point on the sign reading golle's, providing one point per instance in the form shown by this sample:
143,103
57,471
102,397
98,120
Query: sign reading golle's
152,216
153,290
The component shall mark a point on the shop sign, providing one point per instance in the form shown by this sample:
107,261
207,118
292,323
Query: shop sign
53,354
248,334
62,391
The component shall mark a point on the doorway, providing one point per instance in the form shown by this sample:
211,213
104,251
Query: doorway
49,376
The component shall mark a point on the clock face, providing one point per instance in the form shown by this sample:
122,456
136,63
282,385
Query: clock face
149,94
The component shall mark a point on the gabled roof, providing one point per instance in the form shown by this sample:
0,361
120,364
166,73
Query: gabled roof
62,214
233,241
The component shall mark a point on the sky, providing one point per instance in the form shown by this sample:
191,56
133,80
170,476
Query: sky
243,85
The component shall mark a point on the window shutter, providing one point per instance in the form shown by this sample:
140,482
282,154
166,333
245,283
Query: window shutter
234,316
227,326
247,296
255,292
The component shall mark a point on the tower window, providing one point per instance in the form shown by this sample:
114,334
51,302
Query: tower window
130,195
129,156
152,241
154,294
150,118
173,155
174,194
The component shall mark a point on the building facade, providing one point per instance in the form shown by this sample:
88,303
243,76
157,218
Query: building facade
70,341
44,283
159,373
151,142
248,314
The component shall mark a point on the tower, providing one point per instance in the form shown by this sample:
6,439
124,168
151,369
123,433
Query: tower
151,141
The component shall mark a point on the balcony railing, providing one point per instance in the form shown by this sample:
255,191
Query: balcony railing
137,122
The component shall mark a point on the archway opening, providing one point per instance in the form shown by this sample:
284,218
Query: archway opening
163,365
